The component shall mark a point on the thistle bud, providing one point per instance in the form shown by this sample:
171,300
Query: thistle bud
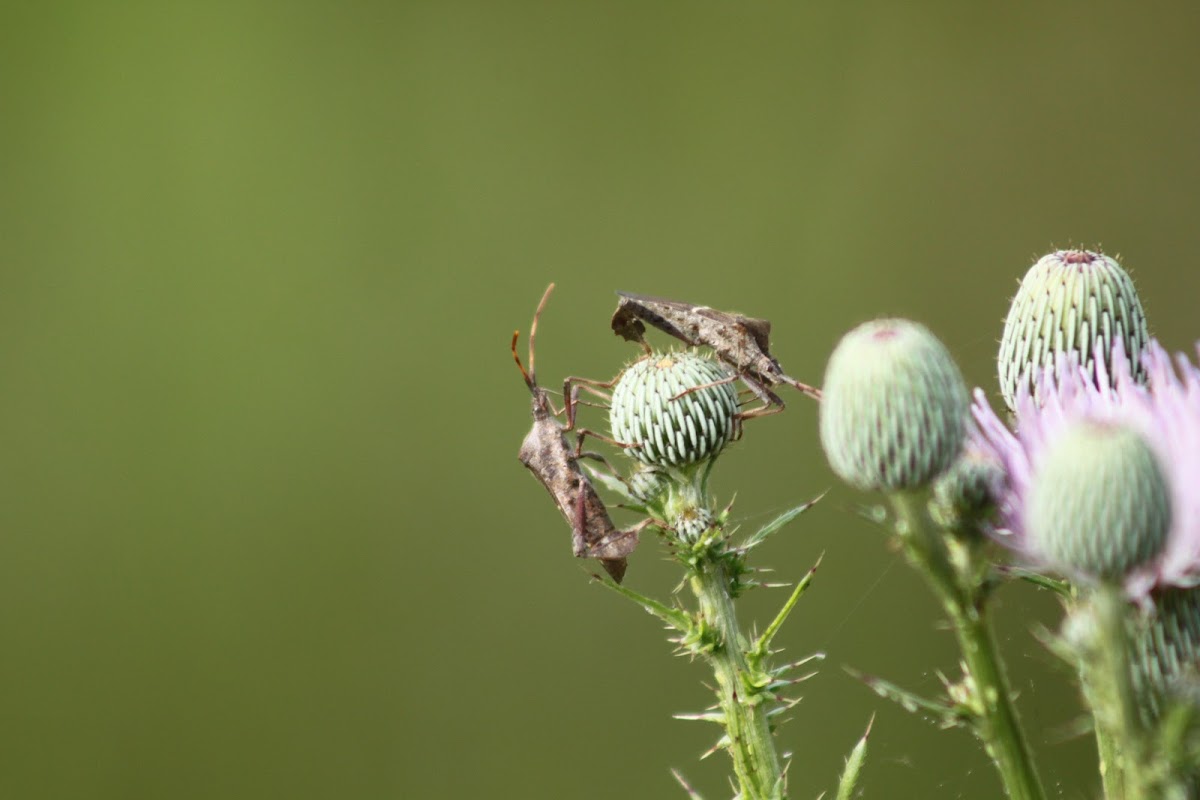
1099,505
894,410
648,484
1166,651
966,492
672,411
1071,302
692,523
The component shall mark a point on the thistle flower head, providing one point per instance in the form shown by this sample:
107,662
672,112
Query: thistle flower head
894,410
1164,412
673,410
1100,506
1071,301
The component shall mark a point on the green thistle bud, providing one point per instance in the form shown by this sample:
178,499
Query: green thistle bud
1099,504
1069,302
648,484
665,426
965,493
894,410
692,523
1166,651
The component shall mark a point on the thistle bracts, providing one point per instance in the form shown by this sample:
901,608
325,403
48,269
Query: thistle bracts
1100,508
1071,302
964,496
1166,652
895,406
674,409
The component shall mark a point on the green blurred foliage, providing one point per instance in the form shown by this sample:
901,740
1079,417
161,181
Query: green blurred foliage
264,533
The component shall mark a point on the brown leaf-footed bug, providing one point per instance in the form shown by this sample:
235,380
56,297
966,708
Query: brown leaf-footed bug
740,342
551,459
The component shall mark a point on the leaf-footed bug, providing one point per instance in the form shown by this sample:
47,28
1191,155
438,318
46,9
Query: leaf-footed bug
740,342
551,459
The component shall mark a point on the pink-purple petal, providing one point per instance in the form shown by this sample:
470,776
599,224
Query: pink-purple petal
1166,411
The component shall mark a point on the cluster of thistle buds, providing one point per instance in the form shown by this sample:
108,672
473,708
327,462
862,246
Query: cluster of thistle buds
1090,483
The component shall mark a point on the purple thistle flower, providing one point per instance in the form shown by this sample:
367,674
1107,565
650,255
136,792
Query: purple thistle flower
1165,412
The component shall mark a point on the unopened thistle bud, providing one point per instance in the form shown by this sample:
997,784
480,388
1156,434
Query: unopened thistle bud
673,410
966,492
1099,505
1071,302
692,523
1166,651
648,484
894,410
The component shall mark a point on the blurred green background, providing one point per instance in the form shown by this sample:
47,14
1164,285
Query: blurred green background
264,533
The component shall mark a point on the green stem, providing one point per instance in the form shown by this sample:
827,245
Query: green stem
961,596
1119,720
751,745
1112,776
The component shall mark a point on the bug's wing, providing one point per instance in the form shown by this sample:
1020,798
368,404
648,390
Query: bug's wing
669,316
650,300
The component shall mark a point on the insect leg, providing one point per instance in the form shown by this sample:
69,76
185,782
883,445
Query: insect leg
721,382
811,391
618,544
772,403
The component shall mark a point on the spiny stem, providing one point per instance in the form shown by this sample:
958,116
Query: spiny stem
961,596
751,745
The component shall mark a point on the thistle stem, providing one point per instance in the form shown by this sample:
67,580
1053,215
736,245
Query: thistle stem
1119,723
1112,775
755,762
960,593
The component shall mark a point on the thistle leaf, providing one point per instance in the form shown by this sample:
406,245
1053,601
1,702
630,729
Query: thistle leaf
610,482
1059,587
854,765
674,617
774,525
762,645
948,715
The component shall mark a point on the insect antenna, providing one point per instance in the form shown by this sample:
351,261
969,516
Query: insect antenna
531,375
528,378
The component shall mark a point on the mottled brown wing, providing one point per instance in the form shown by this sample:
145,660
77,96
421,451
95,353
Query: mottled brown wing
669,316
